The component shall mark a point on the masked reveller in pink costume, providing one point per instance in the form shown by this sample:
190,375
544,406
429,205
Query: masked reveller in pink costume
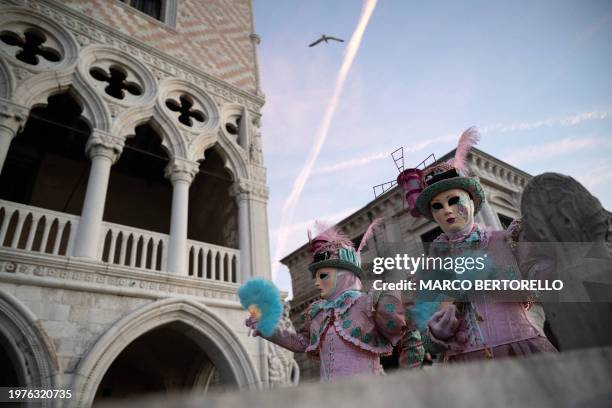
347,329
480,326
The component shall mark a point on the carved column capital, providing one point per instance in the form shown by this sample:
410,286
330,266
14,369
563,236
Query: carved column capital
101,143
12,116
240,190
244,189
182,170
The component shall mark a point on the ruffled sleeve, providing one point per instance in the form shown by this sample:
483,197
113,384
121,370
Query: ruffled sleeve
411,350
434,345
296,342
390,318
431,344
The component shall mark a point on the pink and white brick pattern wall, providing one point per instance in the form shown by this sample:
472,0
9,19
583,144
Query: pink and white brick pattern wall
211,35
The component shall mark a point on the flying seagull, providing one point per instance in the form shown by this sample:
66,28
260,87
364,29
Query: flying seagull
325,38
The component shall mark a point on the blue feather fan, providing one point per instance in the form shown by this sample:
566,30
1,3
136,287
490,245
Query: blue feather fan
262,298
422,312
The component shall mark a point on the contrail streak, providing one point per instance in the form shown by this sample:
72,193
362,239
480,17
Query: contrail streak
289,205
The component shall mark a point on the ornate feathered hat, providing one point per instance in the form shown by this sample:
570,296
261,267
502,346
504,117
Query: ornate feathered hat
332,248
423,185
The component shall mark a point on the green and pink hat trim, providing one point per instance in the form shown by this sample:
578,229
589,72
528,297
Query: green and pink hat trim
422,185
332,248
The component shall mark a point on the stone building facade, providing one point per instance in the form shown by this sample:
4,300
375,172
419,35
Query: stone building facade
501,182
133,198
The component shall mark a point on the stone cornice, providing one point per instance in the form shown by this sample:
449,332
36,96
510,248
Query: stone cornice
70,273
484,157
510,179
88,30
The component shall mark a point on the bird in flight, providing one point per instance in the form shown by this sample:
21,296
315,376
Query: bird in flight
325,38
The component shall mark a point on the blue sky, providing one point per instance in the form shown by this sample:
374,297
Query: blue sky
533,76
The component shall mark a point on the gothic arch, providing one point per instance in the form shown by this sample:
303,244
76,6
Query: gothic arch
129,119
36,81
227,351
234,156
36,90
39,365
172,139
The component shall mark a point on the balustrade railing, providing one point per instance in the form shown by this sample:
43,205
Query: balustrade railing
133,247
208,261
36,229
50,232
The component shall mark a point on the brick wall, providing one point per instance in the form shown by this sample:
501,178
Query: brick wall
211,35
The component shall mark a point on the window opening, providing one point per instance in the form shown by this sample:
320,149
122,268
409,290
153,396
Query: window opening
151,8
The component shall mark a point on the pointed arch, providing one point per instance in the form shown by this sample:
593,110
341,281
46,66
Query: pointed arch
234,156
127,121
36,91
172,139
224,347
39,364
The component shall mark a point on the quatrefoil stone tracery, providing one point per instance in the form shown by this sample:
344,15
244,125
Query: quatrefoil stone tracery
232,126
32,46
117,82
187,113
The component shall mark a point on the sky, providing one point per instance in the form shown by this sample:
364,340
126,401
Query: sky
534,77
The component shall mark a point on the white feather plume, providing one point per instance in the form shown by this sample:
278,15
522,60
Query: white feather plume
468,139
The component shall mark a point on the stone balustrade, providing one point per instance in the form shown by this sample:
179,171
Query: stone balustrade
36,229
214,262
133,247
50,232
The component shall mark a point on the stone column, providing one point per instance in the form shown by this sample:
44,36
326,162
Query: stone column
181,173
12,118
254,242
242,197
489,216
256,40
103,149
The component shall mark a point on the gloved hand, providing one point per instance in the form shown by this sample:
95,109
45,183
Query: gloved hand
444,323
251,323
